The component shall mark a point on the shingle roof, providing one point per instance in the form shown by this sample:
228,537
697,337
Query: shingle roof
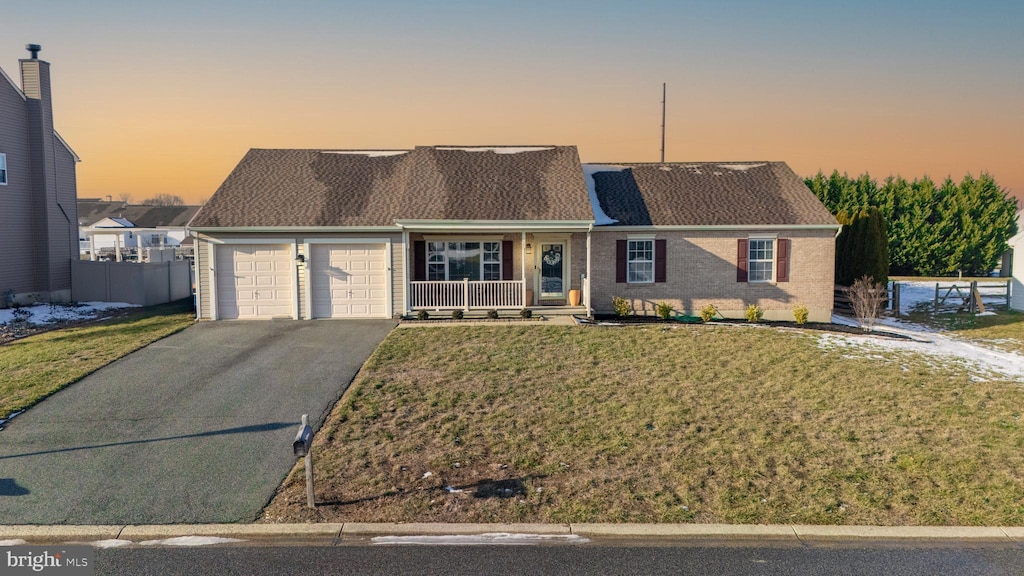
91,212
708,194
315,188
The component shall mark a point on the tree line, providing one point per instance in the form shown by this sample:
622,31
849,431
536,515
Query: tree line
931,229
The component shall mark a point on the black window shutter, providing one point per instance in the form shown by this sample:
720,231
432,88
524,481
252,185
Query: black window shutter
620,261
506,259
741,260
782,260
419,272
659,260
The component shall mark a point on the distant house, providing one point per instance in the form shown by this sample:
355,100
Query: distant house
108,228
1017,266
38,213
348,234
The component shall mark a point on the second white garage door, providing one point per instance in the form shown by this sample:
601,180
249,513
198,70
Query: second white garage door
348,280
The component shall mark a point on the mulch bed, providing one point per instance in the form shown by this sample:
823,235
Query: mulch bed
611,319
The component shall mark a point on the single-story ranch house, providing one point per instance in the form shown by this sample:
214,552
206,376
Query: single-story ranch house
362,234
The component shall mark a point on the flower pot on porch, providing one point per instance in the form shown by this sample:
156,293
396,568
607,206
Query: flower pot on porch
574,297
529,297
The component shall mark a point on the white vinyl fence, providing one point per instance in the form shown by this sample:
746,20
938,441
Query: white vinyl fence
134,283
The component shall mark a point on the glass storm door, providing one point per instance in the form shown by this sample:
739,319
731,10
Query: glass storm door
552,270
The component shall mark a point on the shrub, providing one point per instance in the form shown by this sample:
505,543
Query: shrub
708,312
492,314
868,300
422,315
621,306
800,313
754,313
457,314
664,310
526,313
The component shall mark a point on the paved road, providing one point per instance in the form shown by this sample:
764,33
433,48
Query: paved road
194,428
694,557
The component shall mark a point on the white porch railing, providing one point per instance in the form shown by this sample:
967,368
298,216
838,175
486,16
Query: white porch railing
466,294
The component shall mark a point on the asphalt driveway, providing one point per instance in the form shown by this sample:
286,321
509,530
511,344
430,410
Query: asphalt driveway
196,427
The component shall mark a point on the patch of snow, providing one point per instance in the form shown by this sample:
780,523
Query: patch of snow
113,543
190,541
977,359
49,313
452,490
427,475
600,218
741,167
489,539
499,149
368,153
12,542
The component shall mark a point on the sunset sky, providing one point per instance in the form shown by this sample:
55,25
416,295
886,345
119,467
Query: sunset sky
166,97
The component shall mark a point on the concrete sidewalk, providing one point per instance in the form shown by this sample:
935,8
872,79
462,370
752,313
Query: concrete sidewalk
358,530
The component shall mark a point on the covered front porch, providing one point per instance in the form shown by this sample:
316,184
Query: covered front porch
489,266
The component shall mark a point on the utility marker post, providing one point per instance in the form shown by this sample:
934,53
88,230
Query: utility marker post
302,447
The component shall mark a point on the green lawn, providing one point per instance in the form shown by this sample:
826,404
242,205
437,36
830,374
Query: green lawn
650,424
32,368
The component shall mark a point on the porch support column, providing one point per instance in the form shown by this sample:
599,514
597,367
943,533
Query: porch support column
522,265
405,261
586,288
117,246
92,246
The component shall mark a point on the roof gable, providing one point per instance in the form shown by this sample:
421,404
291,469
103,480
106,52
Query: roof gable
706,194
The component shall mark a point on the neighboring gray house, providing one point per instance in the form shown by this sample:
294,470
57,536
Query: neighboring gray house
38,212
342,233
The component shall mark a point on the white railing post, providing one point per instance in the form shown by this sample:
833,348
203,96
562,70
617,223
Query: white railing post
465,294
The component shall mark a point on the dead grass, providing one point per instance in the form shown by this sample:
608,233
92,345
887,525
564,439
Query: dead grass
34,367
650,424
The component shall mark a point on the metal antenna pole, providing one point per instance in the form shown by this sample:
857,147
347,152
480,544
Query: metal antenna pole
664,93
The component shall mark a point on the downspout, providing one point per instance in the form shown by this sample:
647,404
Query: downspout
839,231
586,292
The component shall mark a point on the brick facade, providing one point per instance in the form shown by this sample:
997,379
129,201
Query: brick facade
701,269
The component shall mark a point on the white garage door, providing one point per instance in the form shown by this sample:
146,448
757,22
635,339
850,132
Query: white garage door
254,281
348,280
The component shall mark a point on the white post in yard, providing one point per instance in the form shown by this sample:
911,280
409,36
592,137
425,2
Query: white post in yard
465,294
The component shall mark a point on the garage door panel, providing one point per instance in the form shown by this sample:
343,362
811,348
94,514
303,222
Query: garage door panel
341,277
254,281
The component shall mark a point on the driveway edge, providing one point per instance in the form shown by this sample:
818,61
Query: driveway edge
336,531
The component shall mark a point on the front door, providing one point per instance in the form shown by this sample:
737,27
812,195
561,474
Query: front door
552,271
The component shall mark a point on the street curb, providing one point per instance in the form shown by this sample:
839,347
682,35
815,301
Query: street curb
335,531
399,529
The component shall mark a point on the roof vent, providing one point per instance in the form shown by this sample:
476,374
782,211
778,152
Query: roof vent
34,49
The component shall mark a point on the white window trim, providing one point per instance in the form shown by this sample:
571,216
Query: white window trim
644,238
775,251
3,169
481,240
